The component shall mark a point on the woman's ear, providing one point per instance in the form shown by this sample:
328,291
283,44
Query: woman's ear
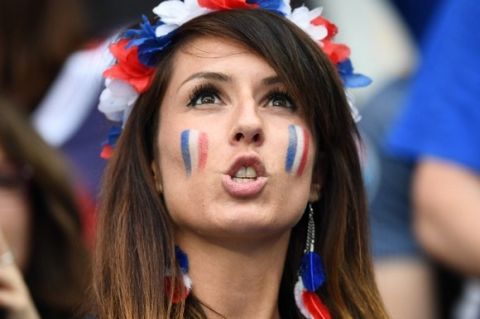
314,192
157,177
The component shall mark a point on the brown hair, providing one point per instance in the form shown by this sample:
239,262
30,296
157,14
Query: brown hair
135,244
36,37
58,269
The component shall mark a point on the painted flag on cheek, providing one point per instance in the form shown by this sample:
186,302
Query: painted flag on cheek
194,148
297,152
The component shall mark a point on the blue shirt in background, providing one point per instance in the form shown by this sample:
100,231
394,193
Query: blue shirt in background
442,114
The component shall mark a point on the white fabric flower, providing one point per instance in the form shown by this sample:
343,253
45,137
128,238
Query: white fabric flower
176,12
286,9
164,29
117,99
302,17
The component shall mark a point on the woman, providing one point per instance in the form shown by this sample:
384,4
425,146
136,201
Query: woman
39,218
238,157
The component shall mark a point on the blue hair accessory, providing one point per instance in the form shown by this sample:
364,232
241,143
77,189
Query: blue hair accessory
149,45
349,78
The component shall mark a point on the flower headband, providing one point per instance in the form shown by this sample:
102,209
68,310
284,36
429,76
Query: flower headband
137,51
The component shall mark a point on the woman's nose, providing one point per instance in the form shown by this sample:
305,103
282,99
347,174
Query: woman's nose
247,125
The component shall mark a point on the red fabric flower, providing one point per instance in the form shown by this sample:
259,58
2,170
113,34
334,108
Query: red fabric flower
128,67
226,4
336,52
107,152
331,28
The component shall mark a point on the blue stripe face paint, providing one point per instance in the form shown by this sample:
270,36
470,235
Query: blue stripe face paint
292,148
186,151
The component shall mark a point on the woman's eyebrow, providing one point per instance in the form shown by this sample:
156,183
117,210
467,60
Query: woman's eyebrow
271,80
222,77
216,76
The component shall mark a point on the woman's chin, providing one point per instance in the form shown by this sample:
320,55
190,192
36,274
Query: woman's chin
241,229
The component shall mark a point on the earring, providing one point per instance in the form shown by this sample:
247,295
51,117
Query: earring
311,277
182,289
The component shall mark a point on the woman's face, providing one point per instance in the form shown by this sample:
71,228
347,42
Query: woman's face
14,211
235,156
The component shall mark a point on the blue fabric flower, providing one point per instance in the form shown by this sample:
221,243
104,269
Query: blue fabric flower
270,5
350,79
113,135
149,45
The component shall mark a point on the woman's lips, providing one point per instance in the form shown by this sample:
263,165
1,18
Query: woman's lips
245,188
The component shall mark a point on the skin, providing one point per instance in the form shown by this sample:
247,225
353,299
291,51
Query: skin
447,204
14,216
239,241
14,230
395,278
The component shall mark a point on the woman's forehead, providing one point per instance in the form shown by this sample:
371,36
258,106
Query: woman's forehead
213,47
216,54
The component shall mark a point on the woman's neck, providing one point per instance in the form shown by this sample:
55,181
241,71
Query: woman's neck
237,279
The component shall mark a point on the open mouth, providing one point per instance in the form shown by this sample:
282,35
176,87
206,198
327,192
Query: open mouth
246,177
246,168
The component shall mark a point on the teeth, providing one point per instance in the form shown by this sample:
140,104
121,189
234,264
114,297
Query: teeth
251,173
246,173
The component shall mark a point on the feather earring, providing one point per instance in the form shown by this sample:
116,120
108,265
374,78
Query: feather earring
181,288
311,277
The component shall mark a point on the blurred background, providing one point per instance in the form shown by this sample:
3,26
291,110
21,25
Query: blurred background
107,15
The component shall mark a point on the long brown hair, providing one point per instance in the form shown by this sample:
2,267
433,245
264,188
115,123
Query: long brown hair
36,36
135,244
58,269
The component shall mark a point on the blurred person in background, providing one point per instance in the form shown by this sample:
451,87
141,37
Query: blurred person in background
36,37
400,262
49,69
438,133
40,220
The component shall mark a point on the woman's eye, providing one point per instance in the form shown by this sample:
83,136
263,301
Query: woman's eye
206,99
202,97
281,100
